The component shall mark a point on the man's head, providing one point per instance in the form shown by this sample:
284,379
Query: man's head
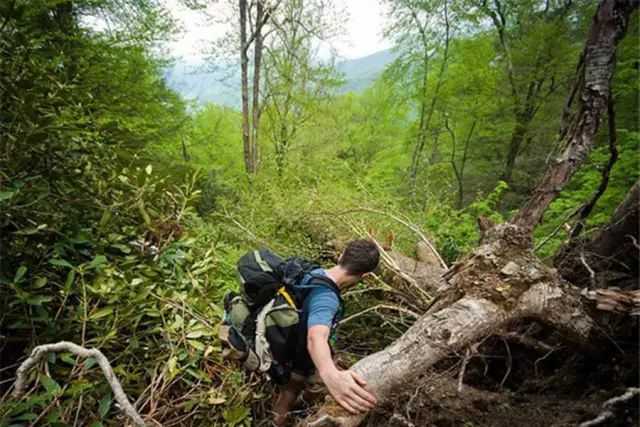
359,258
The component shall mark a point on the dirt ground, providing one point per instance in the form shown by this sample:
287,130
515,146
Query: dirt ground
507,384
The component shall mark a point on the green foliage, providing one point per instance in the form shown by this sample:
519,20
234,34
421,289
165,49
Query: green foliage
122,216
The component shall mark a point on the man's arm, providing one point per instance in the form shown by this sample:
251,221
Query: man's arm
346,387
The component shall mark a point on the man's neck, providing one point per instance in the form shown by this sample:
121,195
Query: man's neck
339,275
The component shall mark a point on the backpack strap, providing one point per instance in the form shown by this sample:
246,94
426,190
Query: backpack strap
326,281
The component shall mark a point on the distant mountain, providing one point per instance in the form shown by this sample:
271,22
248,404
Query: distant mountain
361,72
197,81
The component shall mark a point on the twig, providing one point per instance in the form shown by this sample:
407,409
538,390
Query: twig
64,346
540,359
528,341
633,241
377,307
465,361
592,274
557,229
509,363
407,224
607,412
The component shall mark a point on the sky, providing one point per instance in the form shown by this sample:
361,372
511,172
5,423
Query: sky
363,29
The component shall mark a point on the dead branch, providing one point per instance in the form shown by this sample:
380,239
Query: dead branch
463,367
64,346
586,209
406,223
608,407
380,306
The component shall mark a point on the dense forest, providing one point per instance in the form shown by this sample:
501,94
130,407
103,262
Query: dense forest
124,209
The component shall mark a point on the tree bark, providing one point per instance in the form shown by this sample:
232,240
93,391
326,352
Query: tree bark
244,70
608,28
257,64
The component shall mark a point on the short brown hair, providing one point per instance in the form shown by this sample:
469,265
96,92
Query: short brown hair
359,257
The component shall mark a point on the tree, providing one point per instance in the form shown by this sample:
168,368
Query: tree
253,18
297,84
422,31
532,40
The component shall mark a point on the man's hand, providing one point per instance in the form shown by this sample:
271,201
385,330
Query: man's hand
347,388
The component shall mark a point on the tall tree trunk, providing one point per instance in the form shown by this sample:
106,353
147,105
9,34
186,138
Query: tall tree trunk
422,125
257,64
244,68
502,281
518,136
425,116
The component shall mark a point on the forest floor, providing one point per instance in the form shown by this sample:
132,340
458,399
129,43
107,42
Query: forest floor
518,387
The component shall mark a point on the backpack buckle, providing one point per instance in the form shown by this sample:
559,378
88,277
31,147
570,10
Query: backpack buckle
283,291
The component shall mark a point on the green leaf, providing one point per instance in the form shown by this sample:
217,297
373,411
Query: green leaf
148,169
103,312
29,416
235,415
71,276
122,248
104,406
54,416
19,274
196,344
195,334
40,282
6,195
97,262
60,262
38,300
49,384
66,358
90,362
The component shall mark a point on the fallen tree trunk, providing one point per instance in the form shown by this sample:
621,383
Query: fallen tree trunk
502,281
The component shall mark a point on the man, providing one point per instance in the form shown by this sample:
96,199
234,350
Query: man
320,314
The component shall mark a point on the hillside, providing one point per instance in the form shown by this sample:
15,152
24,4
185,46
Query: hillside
196,80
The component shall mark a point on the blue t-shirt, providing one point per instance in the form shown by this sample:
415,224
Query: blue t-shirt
322,303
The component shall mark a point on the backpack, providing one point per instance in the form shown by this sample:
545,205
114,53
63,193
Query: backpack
261,322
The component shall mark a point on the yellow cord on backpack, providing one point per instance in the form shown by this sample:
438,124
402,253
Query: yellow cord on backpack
282,291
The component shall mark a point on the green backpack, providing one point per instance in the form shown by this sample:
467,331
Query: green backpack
261,323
